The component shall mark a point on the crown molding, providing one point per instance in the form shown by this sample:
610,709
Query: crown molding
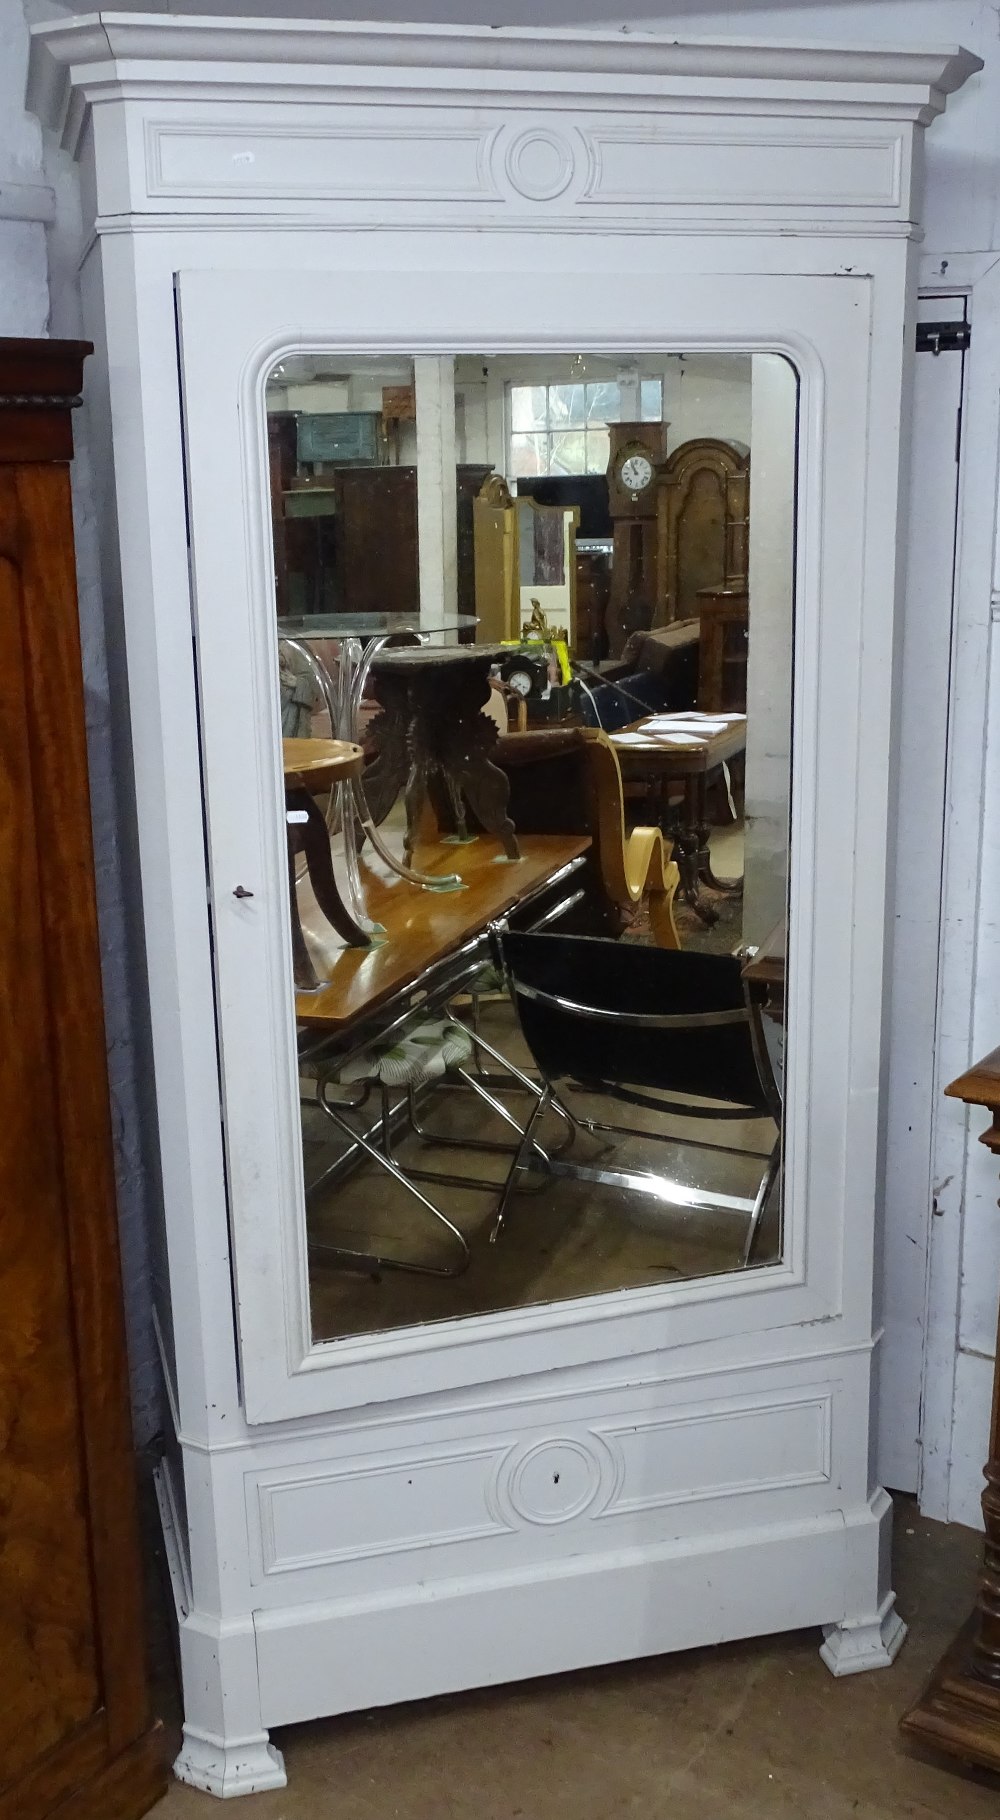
98,52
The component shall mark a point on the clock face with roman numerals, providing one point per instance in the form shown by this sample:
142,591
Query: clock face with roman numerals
635,473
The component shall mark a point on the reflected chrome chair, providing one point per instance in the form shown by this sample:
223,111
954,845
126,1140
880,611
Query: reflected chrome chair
632,1023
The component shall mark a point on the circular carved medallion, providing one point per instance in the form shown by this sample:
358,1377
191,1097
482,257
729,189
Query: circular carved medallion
554,1480
539,163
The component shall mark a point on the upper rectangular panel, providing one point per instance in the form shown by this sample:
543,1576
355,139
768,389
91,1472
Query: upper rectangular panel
591,168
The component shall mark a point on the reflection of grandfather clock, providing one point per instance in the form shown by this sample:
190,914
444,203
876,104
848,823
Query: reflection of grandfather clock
637,451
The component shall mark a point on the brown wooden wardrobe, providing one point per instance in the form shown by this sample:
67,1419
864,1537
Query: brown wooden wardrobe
76,1739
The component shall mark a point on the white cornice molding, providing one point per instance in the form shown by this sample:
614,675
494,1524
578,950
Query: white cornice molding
97,52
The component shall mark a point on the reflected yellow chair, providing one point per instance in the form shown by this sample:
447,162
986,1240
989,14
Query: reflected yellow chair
634,865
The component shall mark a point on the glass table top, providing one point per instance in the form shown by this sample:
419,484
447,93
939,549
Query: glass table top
369,625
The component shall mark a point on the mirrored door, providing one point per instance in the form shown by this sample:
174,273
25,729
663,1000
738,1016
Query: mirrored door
515,700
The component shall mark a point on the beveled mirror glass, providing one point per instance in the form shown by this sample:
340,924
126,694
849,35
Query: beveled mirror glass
535,628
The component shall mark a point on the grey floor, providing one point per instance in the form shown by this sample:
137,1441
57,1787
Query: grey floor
752,1731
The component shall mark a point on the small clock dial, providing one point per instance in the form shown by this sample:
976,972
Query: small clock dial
635,473
520,681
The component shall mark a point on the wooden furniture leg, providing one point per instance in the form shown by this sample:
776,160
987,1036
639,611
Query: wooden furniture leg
307,833
687,841
734,886
959,1711
312,838
305,975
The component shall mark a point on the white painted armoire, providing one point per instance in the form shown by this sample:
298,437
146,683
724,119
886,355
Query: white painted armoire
391,1515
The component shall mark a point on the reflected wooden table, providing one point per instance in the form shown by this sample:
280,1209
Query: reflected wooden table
425,929
764,969
669,753
312,765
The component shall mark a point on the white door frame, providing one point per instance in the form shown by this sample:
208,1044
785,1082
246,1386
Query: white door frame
955,1416
232,334
927,630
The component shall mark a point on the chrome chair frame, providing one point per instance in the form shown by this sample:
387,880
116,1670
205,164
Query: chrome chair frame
658,1187
435,989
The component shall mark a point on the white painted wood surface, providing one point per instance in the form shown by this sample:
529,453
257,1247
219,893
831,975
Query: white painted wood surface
961,248
917,851
711,1442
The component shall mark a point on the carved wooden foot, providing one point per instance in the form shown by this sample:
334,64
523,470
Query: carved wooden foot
487,789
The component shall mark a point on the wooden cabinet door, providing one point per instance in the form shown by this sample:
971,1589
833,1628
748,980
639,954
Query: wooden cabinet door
74,1729
377,565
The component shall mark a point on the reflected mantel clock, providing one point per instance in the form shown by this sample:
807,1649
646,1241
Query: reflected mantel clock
637,452
393,1515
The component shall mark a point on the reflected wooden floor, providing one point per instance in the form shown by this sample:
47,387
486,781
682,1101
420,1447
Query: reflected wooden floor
562,1239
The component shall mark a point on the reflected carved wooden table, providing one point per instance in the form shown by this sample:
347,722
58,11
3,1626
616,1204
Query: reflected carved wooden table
431,721
651,748
316,765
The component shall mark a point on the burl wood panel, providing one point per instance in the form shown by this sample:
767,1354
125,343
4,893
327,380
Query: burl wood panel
75,1736
47,1643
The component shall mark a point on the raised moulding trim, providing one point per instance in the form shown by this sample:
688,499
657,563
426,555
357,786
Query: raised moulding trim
403,183
884,192
278,1485
812,1469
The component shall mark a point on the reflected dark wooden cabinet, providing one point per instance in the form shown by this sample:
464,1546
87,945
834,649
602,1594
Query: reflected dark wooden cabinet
75,1736
347,541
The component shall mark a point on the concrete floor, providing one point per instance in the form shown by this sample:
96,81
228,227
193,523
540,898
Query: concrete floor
754,1731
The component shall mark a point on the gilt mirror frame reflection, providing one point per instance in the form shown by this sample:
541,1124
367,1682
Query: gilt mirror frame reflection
811,322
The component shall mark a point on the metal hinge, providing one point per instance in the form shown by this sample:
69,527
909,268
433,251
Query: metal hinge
943,337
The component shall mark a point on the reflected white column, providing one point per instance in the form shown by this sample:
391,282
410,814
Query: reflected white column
769,651
437,528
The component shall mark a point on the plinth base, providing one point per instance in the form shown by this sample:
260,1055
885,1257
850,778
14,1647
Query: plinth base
957,1713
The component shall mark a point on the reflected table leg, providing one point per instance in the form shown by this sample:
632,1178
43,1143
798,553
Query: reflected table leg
307,834
690,835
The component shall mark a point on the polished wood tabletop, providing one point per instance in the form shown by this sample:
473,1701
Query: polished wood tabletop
670,752
424,927
319,761
766,967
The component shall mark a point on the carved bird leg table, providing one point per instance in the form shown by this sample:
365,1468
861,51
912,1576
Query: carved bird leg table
432,698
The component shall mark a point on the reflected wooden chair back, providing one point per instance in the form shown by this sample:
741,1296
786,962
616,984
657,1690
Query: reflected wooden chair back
634,864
